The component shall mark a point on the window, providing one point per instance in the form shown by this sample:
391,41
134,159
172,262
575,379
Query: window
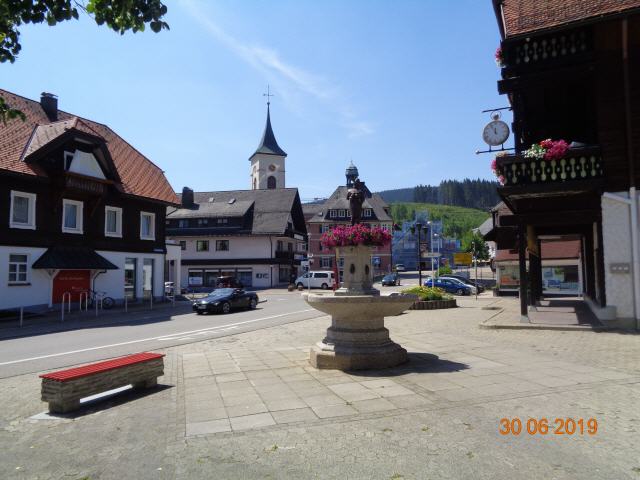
342,213
222,245
202,221
183,245
72,216
183,223
68,158
148,277
322,275
341,262
17,268
325,262
320,246
280,246
271,182
367,212
147,226
130,274
112,222
223,220
202,245
325,228
333,213
23,210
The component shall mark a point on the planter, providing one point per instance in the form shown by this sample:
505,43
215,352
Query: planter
358,273
433,304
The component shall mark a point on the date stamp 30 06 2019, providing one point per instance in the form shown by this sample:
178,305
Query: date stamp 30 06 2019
545,426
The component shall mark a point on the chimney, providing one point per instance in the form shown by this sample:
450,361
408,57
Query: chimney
49,103
187,197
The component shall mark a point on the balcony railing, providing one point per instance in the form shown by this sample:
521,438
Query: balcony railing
578,164
284,254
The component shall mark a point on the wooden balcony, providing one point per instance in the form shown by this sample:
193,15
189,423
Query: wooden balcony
284,254
579,165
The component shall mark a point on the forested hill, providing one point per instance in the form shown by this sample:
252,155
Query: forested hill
457,221
480,194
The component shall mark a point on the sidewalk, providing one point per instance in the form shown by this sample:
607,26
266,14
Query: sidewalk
250,406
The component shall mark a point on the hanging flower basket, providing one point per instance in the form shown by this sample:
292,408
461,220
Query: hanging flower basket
352,236
499,58
548,150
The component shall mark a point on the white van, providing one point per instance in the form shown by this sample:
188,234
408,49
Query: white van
320,279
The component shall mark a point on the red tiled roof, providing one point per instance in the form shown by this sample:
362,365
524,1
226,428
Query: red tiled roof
525,16
551,250
139,175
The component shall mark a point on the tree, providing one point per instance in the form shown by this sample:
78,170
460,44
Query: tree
474,243
119,15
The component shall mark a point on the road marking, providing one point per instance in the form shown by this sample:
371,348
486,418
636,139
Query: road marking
153,338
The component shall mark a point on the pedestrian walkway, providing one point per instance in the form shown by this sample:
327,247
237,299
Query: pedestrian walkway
250,406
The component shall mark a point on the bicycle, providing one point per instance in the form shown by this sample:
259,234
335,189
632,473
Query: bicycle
100,297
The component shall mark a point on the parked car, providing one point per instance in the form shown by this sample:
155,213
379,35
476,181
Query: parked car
224,300
228,282
450,285
400,267
466,281
320,279
391,279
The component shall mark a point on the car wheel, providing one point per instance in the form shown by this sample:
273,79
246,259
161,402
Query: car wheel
253,303
226,307
324,286
199,313
300,285
459,292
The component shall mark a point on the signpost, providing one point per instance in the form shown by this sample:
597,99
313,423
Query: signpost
465,258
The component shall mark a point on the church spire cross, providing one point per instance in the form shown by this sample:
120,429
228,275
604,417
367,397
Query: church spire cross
268,95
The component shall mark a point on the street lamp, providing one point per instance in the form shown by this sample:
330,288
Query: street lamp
438,258
417,227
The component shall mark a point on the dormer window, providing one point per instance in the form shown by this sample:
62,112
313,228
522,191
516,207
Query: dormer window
342,213
333,213
83,163
367,212
68,158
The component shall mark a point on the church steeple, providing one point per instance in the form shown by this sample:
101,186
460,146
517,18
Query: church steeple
268,144
268,161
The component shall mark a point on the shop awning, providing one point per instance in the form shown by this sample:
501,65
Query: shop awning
73,258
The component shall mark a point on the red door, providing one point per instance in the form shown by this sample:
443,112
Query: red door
72,281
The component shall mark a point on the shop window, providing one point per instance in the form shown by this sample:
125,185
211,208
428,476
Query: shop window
202,245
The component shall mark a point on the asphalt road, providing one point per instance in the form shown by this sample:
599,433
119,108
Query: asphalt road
47,348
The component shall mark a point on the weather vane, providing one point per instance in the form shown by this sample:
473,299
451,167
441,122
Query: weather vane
268,94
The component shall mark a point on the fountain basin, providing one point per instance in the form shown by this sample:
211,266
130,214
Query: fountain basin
357,338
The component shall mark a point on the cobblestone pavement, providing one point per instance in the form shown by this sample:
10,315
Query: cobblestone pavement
249,406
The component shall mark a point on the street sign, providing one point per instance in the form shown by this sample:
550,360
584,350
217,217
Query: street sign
463,258
433,255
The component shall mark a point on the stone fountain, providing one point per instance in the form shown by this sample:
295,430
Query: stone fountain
357,338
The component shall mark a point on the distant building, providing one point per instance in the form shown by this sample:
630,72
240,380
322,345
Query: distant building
322,216
256,236
405,242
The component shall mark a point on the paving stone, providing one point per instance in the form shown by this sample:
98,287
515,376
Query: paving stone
323,400
249,399
353,392
207,428
296,415
285,404
328,411
374,405
246,409
460,394
409,401
194,414
230,377
248,422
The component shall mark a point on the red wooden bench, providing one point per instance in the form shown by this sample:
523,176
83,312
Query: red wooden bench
63,390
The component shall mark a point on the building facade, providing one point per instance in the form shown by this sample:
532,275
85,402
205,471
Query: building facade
80,209
256,235
573,73
322,216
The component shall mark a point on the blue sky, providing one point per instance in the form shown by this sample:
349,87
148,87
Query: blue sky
396,86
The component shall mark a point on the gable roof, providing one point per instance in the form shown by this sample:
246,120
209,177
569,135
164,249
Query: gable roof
18,139
272,209
338,201
518,17
268,144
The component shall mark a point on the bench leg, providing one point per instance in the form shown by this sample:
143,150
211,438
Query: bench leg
65,406
148,383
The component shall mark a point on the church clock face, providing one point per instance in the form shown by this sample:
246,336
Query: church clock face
272,168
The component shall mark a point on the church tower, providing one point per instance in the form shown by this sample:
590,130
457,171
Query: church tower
268,161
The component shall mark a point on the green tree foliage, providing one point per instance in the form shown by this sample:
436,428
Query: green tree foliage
473,242
469,193
456,221
119,15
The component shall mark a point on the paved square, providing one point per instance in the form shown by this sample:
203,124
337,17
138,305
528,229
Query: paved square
250,406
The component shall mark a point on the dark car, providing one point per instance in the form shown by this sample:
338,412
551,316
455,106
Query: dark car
224,300
450,285
391,279
467,281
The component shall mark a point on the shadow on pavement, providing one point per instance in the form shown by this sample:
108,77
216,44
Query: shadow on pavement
418,363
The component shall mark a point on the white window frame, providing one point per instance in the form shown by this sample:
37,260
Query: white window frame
204,243
31,223
333,213
27,263
152,227
325,262
342,213
367,212
118,232
79,218
325,228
